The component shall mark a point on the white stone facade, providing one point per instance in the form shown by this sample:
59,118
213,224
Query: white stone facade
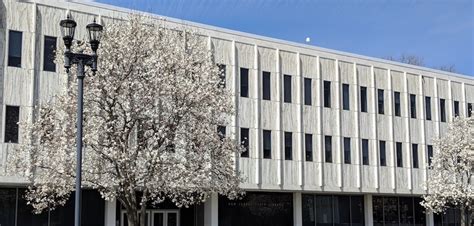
29,84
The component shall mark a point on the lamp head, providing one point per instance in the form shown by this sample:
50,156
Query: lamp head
95,34
68,27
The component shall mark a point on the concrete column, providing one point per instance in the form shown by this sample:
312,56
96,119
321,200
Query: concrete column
297,209
429,219
211,211
368,210
110,213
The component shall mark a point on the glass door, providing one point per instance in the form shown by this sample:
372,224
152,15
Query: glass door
165,217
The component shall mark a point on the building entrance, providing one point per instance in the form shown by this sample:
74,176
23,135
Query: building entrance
157,218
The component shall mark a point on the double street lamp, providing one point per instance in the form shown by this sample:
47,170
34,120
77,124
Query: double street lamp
68,27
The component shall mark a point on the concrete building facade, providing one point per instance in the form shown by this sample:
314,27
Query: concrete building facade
333,138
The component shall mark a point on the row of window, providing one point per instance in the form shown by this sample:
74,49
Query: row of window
287,95
328,148
15,49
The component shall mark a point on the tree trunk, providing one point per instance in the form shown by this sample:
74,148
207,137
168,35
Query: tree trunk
463,217
132,217
143,215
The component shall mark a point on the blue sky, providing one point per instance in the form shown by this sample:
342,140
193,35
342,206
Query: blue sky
439,31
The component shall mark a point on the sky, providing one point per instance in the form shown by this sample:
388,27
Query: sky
439,31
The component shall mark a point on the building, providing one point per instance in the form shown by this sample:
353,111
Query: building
333,138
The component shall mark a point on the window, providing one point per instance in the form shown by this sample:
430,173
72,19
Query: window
221,132
404,211
288,146
266,91
365,151
48,53
347,150
307,91
244,82
414,151
12,116
399,149
428,108
469,109
328,148
14,48
380,101
244,140
442,106
413,105
430,153
327,94
287,88
267,144
345,97
456,108
328,210
222,73
397,104
383,156
363,99
308,146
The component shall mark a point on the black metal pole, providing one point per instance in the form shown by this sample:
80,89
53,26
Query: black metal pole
80,87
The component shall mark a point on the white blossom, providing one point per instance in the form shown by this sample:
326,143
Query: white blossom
451,174
150,125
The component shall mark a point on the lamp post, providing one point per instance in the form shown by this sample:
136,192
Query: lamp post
68,27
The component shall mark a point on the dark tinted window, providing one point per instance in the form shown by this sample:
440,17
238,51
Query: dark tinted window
48,53
7,206
307,91
244,82
469,109
267,144
347,150
430,154
428,108
256,209
456,108
14,48
222,73
383,157
365,151
287,88
308,146
12,116
288,146
266,83
345,97
406,210
221,131
363,99
413,105
397,104
401,211
357,210
328,148
244,140
420,215
93,209
324,210
332,210
342,209
414,149
390,206
380,101
327,94
399,149
442,109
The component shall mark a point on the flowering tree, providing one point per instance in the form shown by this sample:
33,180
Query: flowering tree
451,175
151,114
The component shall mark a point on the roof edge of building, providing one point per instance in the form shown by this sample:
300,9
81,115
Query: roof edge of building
252,36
